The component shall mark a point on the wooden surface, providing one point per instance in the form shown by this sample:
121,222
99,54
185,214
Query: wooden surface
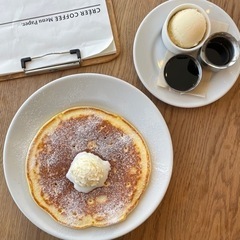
203,198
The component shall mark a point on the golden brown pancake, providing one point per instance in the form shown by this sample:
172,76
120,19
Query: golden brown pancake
104,134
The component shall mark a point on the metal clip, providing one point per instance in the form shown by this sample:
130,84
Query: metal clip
52,67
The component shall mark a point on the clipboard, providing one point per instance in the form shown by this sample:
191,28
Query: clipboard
78,63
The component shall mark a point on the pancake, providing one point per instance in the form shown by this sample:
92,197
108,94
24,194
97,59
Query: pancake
104,134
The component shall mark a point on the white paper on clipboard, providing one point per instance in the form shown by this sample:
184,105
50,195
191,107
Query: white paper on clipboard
50,29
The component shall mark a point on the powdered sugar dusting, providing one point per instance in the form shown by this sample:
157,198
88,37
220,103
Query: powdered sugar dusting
91,134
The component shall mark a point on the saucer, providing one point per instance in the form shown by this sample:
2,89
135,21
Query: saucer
149,51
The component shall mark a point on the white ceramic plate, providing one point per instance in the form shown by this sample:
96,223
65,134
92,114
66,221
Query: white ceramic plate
101,91
148,50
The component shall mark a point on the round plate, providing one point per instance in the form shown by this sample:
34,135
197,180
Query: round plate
110,94
149,50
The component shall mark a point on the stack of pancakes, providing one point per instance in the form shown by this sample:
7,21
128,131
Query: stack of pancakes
104,134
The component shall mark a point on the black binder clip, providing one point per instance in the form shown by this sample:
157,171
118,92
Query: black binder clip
52,67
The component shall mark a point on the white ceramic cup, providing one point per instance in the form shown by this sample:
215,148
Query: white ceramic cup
167,40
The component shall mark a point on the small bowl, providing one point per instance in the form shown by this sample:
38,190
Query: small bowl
220,51
182,73
169,44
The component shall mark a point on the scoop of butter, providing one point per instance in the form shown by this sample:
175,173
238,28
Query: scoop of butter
187,28
88,171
